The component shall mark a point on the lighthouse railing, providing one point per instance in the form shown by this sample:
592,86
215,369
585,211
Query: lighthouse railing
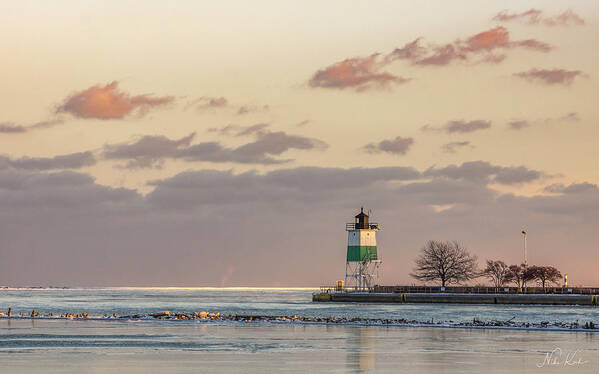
350,226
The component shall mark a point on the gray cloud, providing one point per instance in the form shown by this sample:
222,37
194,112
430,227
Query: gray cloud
209,102
516,175
215,152
151,151
295,184
275,143
70,161
58,191
518,124
66,229
441,191
398,146
572,188
572,116
46,124
148,151
220,102
245,109
521,124
466,126
12,128
237,130
459,126
485,173
452,147
550,76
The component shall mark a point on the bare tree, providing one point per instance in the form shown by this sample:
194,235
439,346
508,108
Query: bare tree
519,274
447,262
544,274
498,272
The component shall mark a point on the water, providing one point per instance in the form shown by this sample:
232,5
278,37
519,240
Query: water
283,302
132,346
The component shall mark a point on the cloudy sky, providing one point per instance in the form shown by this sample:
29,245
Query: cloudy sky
214,144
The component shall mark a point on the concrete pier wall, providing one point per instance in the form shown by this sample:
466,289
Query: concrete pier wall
532,299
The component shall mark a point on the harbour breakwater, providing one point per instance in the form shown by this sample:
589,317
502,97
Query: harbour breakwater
457,298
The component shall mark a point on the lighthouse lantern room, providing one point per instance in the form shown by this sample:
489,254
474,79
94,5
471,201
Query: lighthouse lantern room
362,261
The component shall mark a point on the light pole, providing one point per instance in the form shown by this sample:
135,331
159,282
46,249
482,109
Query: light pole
525,261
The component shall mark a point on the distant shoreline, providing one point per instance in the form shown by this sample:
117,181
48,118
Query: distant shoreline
40,288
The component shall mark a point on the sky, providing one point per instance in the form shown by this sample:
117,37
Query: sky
197,143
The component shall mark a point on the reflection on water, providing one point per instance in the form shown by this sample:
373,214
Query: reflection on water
174,347
361,349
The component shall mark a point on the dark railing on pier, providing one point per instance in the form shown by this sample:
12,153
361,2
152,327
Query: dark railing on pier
467,290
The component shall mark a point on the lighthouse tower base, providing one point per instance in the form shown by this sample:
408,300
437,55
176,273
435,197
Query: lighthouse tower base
363,275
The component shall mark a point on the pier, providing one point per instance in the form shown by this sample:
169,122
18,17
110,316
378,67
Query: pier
462,295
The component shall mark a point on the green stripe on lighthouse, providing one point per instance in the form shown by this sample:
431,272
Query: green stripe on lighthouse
361,252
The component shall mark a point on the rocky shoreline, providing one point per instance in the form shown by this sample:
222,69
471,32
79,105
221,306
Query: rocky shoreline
211,316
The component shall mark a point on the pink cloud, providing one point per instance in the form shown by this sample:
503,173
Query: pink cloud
360,73
499,37
533,44
108,102
535,17
531,15
482,47
493,58
564,19
550,76
411,51
443,56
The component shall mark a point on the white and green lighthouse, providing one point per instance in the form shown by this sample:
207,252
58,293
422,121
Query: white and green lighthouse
362,261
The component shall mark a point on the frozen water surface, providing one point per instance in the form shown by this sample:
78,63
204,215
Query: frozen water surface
115,346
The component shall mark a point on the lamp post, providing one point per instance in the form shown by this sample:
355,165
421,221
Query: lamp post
525,260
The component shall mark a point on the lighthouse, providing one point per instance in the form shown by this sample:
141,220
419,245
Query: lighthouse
362,260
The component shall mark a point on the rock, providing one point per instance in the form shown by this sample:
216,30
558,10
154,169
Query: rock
161,314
